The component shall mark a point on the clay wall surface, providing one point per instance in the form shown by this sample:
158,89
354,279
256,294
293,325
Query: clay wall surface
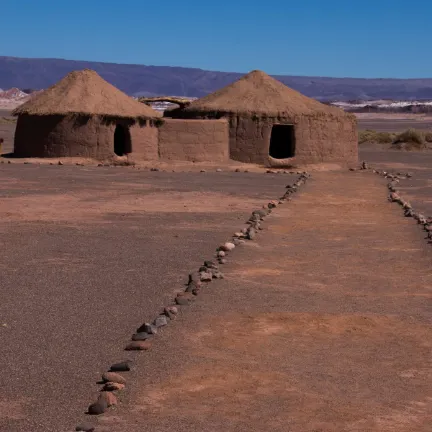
322,139
193,140
250,139
88,137
144,138
318,139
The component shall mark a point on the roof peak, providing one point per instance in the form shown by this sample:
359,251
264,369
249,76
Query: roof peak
85,92
259,93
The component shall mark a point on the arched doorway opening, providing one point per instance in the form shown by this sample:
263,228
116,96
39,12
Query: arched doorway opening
122,141
282,142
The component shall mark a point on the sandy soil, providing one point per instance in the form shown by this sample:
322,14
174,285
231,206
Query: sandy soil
88,255
417,190
394,116
323,324
393,122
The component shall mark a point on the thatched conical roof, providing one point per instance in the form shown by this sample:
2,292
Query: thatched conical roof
85,93
260,94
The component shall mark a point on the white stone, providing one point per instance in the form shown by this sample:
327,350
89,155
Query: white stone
228,246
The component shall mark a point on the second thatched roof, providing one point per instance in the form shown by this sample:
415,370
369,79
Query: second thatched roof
259,94
85,93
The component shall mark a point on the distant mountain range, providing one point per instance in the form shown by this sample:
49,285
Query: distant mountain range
139,80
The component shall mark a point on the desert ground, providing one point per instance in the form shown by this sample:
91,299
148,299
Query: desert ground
90,254
322,323
393,122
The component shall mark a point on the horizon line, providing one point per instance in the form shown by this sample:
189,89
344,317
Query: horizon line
211,70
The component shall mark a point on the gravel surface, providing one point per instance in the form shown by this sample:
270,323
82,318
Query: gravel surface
321,324
417,190
78,276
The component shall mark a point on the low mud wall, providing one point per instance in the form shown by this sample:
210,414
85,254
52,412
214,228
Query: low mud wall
80,136
144,137
194,140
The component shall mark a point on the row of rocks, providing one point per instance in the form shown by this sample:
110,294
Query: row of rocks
155,169
395,196
141,340
51,163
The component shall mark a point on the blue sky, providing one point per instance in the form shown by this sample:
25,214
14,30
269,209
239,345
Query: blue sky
356,38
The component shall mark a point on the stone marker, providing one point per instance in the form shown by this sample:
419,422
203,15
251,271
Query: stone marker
111,386
150,328
123,366
98,408
113,377
229,246
184,299
160,321
210,264
251,233
138,346
108,397
206,276
171,312
141,336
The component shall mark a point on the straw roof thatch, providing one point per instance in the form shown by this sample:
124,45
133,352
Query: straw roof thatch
259,94
85,93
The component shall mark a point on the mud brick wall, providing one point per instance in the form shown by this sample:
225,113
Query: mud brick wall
144,136
80,136
193,140
318,139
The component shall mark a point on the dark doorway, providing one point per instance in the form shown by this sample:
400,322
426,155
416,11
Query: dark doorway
282,142
122,141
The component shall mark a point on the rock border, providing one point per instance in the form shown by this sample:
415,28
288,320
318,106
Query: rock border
142,339
144,168
395,197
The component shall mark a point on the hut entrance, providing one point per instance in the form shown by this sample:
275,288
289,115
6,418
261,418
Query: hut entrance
282,142
122,141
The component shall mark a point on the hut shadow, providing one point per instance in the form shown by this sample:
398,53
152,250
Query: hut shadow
9,155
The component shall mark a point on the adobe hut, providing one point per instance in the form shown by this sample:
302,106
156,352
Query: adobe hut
85,116
271,124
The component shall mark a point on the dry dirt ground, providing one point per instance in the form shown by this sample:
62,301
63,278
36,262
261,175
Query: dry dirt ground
88,255
322,324
393,122
417,190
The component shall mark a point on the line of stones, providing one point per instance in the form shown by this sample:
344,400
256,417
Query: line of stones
141,340
395,196
132,165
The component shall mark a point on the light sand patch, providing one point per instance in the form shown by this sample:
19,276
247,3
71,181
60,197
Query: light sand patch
397,249
94,206
392,116
13,409
402,166
258,271
7,183
298,370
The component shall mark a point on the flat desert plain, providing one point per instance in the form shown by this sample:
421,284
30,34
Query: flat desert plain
323,323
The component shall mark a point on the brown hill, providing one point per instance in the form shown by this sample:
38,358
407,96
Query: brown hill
141,80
